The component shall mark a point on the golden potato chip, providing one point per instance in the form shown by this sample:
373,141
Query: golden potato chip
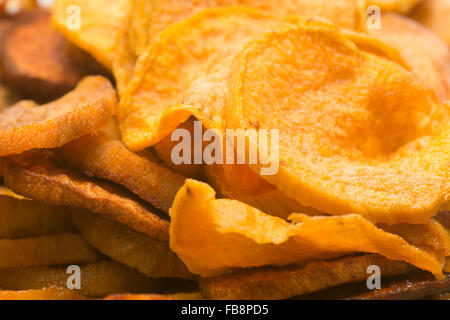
36,175
22,218
151,257
403,6
96,155
183,75
148,18
291,281
235,235
45,251
91,25
346,142
177,296
51,293
85,109
97,279
434,15
426,54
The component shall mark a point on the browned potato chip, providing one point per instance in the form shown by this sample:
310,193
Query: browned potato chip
97,155
151,257
287,282
97,279
177,296
46,251
34,58
85,109
22,218
51,293
37,176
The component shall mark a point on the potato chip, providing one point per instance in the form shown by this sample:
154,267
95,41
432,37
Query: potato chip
434,15
151,257
403,6
45,251
91,25
36,175
22,218
180,75
346,142
288,282
51,293
177,296
96,155
34,58
148,18
426,54
97,279
234,235
87,108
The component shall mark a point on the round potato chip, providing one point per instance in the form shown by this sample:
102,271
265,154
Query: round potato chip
346,143
235,235
87,108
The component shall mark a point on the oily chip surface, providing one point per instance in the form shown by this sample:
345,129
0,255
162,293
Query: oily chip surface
346,142
234,235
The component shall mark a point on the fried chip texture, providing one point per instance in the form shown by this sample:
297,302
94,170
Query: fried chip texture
288,282
402,6
97,155
85,109
37,176
51,293
22,218
235,235
151,257
177,296
35,60
97,279
346,142
426,54
46,251
98,24
434,15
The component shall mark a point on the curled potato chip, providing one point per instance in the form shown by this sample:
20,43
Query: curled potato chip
22,218
91,25
35,60
97,155
177,296
36,175
288,282
97,279
234,235
46,251
346,143
85,109
426,54
180,76
434,15
151,257
51,293
403,6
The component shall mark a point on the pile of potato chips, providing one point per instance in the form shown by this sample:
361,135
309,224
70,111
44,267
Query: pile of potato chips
93,93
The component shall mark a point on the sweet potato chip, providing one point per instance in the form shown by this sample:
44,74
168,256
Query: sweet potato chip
151,257
51,293
234,235
97,155
288,282
426,54
91,25
34,58
45,251
37,176
434,15
346,143
87,108
22,218
97,279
